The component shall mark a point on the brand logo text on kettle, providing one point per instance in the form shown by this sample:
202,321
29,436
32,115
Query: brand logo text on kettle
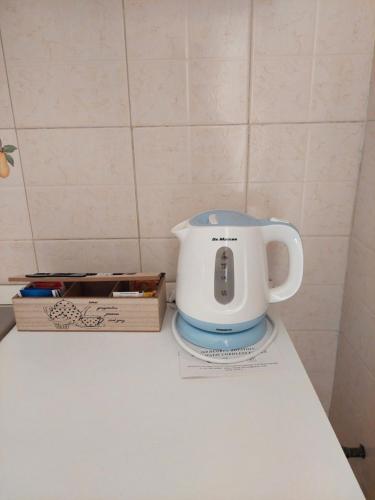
223,239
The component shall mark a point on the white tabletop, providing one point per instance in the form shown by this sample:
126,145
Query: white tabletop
106,416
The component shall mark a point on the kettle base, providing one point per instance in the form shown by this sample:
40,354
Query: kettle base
226,356
221,341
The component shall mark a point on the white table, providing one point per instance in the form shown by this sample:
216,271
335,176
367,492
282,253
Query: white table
102,416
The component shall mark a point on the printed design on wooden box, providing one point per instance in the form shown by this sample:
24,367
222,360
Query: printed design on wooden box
65,314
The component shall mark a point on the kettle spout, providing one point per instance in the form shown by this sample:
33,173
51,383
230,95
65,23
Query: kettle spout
181,230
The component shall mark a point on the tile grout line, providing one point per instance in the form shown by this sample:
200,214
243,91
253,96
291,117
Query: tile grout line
308,143
19,152
188,183
197,125
358,241
187,68
249,101
357,182
359,353
132,137
263,55
352,236
187,88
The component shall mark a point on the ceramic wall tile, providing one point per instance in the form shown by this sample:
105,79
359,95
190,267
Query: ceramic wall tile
6,115
353,406
272,199
83,212
8,136
365,396
355,273
358,326
314,307
344,414
158,92
364,217
345,27
189,61
280,88
84,156
361,273
317,350
322,382
284,28
112,255
177,29
277,152
328,208
218,91
69,94
218,154
14,217
155,30
217,28
160,255
328,152
47,30
17,258
162,155
325,260
340,87
365,401
172,155
71,60
368,159
335,151
161,207
371,99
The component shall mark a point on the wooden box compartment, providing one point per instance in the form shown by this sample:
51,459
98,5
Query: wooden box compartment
90,289
88,305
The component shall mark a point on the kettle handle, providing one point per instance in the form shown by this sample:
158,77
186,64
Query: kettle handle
287,234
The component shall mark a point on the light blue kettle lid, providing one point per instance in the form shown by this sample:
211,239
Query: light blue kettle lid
230,218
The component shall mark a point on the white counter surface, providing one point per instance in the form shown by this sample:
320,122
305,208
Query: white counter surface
106,416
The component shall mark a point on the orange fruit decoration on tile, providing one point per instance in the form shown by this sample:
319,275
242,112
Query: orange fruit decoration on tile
6,159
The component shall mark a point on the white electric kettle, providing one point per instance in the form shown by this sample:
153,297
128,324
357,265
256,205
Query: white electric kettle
222,274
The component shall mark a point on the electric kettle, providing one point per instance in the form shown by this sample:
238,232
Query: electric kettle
222,274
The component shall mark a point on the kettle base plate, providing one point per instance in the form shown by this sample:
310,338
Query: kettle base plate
221,341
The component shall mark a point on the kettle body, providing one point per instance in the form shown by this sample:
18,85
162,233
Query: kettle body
222,273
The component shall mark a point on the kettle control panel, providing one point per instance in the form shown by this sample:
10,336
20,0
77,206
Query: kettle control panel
224,275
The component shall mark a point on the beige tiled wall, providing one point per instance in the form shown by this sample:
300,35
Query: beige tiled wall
131,117
353,404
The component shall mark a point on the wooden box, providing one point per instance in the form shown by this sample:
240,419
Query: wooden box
87,304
